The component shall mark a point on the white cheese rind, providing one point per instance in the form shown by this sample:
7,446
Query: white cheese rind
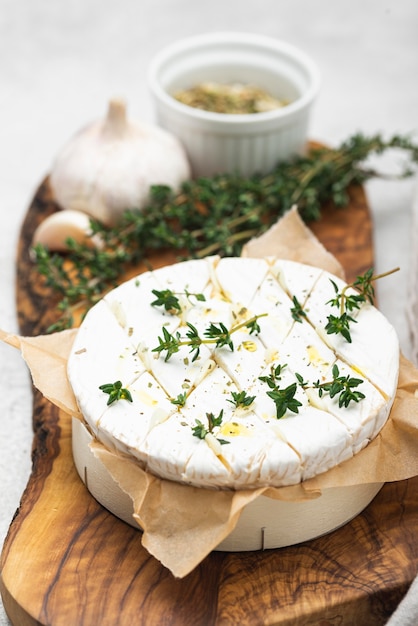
129,423
250,447
296,279
374,349
320,441
101,353
239,282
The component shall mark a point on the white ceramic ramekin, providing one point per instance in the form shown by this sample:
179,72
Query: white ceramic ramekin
219,142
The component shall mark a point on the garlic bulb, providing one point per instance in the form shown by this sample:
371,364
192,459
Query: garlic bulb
55,229
110,166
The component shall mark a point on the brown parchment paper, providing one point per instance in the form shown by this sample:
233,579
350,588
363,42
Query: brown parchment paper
182,524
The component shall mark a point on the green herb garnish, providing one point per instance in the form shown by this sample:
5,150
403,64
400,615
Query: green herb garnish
343,386
284,399
180,400
169,300
344,301
200,430
240,398
168,343
220,335
297,311
217,334
340,325
116,392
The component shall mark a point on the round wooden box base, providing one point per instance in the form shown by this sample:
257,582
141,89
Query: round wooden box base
264,523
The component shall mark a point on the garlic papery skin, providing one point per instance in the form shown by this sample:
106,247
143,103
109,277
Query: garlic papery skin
54,231
109,166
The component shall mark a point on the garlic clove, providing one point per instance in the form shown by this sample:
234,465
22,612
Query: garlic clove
110,166
54,230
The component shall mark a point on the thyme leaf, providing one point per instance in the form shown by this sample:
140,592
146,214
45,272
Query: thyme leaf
340,325
169,300
240,398
116,392
193,340
346,301
298,314
220,334
201,430
343,386
284,399
180,400
168,343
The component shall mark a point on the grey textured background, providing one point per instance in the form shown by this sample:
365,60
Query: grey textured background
61,62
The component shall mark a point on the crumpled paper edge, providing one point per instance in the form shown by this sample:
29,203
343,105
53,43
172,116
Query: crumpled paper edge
284,240
182,524
46,357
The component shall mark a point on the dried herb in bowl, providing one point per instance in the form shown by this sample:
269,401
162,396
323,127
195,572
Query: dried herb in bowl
233,99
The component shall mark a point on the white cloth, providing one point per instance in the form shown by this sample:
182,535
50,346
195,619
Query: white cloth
406,613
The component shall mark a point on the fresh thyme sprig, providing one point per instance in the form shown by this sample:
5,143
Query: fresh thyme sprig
211,215
298,314
116,392
217,334
180,400
170,343
345,301
284,399
201,431
167,299
241,399
340,325
343,386
170,301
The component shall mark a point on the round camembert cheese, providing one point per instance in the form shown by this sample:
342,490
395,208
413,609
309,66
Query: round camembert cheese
215,416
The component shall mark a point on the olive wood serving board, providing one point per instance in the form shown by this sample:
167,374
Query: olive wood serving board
68,561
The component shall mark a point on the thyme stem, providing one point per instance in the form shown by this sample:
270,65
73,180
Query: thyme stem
365,292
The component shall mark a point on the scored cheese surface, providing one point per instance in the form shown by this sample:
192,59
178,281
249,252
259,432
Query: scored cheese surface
250,447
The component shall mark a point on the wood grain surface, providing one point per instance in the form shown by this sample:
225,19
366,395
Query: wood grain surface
68,562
